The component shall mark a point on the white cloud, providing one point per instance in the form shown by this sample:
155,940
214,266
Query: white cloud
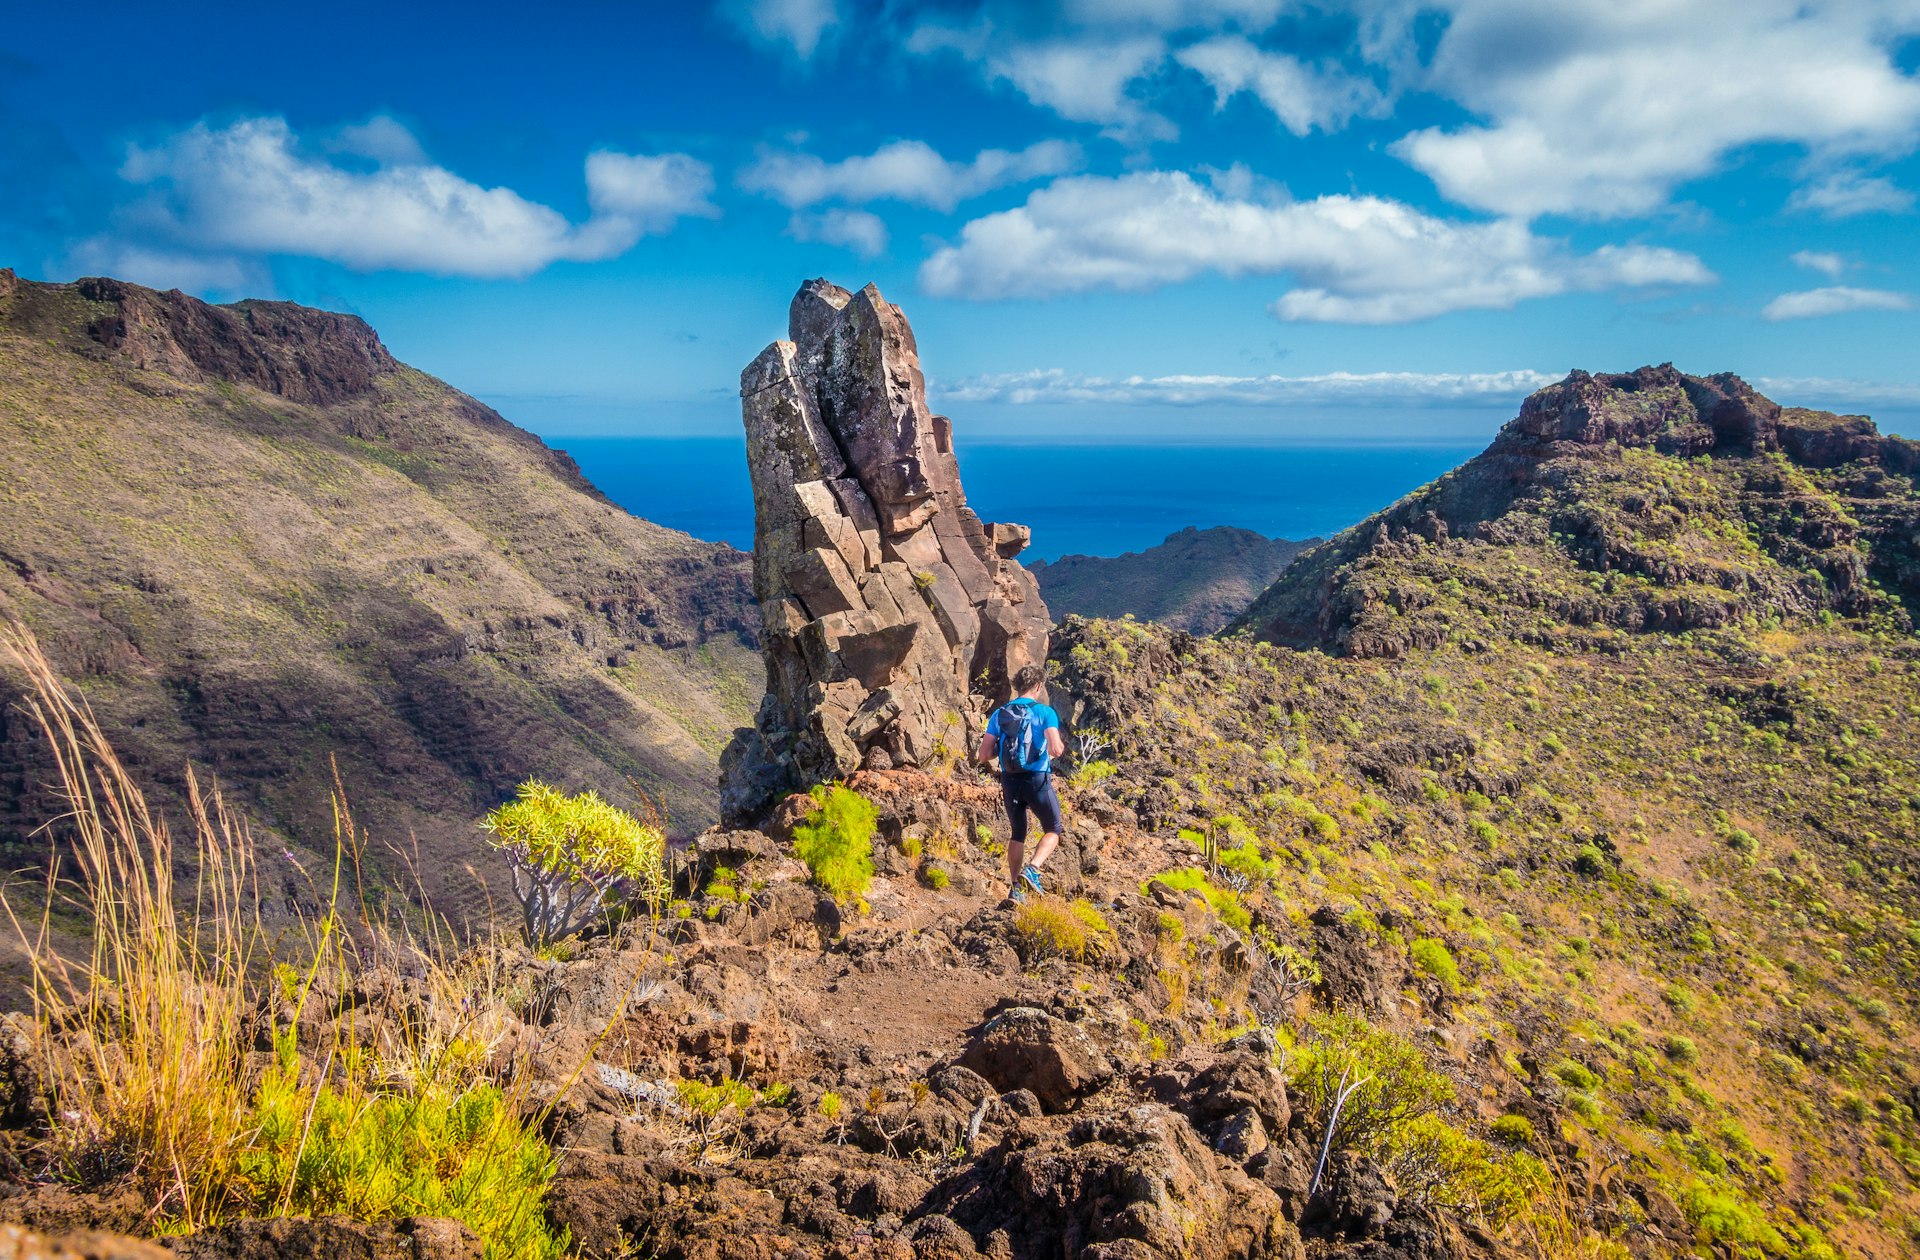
1816,260
382,138
1302,97
798,24
1837,300
905,170
1082,76
1844,194
1600,108
1052,385
858,230
1362,260
168,269
250,188
1835,394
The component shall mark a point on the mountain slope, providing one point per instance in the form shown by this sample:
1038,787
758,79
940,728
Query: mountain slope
257,542
1198,579
1649,501
1613,773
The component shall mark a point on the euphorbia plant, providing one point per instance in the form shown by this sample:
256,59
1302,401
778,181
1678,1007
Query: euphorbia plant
569,854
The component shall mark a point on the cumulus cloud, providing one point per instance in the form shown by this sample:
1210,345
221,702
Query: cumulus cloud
1600,109
251,189
861,231
1844,194
1084,76
160,268
1818,260
1362,260
1835,300
796,24
1301,96
1052,385
905,170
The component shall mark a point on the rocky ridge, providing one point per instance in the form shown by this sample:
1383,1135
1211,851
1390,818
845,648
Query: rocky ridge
1197,580
1632,479
885,602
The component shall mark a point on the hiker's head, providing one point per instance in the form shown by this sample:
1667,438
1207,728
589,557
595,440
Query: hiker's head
1028,679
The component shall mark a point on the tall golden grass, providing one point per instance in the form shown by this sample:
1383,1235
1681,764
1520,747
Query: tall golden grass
139,1059
144,1031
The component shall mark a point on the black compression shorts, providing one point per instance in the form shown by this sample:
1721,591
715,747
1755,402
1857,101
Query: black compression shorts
1027,791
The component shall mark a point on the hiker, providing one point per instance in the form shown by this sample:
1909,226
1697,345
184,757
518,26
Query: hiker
1025,734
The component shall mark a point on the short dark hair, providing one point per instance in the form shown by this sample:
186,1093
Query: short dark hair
1028,678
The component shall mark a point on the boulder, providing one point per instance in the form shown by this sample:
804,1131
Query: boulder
1026,1048
890,611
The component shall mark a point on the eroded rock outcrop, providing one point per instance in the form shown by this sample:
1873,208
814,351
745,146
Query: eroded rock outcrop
886,602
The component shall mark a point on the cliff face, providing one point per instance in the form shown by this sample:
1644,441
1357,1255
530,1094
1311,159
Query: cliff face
1644,501
258,542
885,602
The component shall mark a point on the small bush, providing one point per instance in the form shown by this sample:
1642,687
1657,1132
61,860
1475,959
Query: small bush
1681,1049
435,1151
1433,957
1053,927
836,841
1576,1075
830,1105
936,877
1513,1130
1224,901
1091,773
569,854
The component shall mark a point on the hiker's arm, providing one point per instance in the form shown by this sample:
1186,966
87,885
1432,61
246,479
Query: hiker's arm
1056,747
989,748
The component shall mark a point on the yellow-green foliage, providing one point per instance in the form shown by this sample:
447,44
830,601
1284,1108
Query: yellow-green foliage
836,840
1053,927
441,1148
567,853
1225,902
1433,957
1394,1116
709,1101
1091,773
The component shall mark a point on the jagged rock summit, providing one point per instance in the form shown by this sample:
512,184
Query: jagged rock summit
887,603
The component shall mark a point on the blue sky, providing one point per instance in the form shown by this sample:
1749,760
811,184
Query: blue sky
1370,220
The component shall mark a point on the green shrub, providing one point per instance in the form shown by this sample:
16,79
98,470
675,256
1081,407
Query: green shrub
1224,901
1681,1049
1091,773
1723,1216
1393,1116
568,853
936,877
1576,1075
435,1150
836,841
1433,957
1513,1130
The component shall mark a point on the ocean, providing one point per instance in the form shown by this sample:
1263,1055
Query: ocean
1078,499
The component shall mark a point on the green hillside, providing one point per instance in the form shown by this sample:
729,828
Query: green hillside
1606,748
260,545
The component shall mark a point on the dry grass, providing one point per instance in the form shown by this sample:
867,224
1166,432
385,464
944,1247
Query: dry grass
142,1036
142,1074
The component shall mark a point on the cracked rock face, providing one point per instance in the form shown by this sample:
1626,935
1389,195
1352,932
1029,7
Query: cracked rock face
891,611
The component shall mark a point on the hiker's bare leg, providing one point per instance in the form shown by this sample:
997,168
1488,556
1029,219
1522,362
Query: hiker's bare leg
1042,851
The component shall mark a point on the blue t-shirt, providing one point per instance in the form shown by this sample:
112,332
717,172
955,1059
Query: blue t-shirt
1048,719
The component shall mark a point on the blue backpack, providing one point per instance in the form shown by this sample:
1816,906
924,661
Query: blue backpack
1023,739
